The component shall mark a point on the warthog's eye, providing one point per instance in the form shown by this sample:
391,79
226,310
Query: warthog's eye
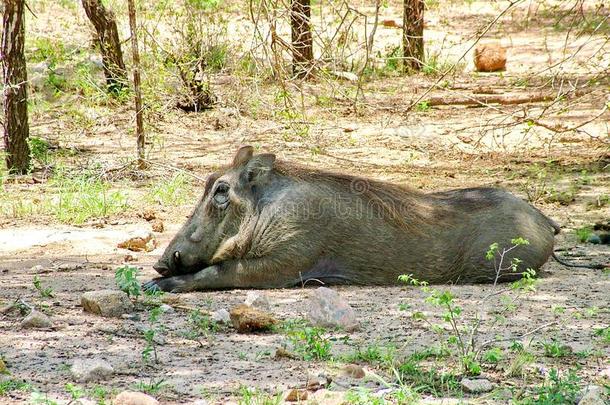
221,195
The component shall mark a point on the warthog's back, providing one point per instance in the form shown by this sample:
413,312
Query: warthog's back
265,224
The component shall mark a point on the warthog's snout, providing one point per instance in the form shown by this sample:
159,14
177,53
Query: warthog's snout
168,266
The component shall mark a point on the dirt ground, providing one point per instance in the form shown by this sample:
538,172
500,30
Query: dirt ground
433,149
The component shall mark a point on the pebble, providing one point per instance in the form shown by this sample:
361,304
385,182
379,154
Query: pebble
36,320
107,303
134,398
476,386
221,316
257,300
327,309
85,370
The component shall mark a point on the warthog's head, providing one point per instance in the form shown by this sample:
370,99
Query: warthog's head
210,235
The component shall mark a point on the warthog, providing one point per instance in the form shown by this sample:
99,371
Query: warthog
263,223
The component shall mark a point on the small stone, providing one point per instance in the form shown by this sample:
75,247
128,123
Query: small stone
91,370
317,380
353,371
221,316
157,226
592,395
138,242
36,320
40,67
130,258
328,397
38,269
257,300
65,267
282,353
295,395
605,372
489,58
166,309
107,303
476,386
3,368
327,309
149,215
248,319
134,398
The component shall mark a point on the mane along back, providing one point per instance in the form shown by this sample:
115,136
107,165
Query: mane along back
400,206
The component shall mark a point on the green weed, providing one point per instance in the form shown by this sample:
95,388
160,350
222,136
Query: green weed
172,192
9,385
152,387
44,292
126,279
255,396
584,233
555,391
200,326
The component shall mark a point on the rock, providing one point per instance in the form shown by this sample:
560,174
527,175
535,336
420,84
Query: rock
221,316
140,241
64,267
327,309
295,395
36,320
134,398
327,397
157,226
489,58
353,371
96,61
605,373
91,370
317,380
248,319
38,269
476,386
108,303
148,215
282,353
166,309
592,395
257,300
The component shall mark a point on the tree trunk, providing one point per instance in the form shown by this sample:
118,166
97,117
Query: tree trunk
16,128
302,43
108,38
413,34
136,83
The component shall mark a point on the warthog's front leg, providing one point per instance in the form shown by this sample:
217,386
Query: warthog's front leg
208,278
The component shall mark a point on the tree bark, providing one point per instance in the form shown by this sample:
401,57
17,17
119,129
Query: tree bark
16,128
413,34
108,39
302,42
136,83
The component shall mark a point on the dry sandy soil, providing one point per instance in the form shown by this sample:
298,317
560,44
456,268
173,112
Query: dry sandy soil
438,148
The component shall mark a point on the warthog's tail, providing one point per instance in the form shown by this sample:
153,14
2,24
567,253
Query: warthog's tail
584,266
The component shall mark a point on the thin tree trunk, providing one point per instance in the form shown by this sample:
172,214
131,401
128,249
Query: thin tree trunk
108,38
302,42
413,34
16,128
136,83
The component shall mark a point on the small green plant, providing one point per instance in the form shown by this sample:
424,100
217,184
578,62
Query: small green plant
126,279
200,326
152,387
553,348
422,106
603,334
75,391
44,292
255,396
152,333
172,192
9,385
493,355
584,233
39,149
556,390
308,342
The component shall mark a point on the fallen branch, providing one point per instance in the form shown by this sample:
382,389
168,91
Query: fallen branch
504,99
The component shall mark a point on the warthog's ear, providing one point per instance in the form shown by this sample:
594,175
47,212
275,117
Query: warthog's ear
259,166
243,155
